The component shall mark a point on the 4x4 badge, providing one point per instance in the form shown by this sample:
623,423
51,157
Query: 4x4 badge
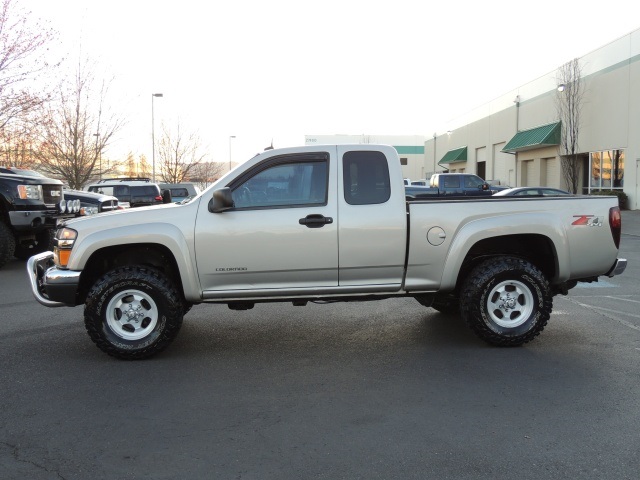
587,220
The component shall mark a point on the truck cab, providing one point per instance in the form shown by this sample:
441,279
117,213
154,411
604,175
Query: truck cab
459,184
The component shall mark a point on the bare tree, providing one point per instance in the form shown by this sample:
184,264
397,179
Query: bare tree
23,59
179,154
17,144
569,97
136,168
77,129
205,173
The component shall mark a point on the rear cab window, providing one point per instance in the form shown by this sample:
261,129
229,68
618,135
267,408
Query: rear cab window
366,178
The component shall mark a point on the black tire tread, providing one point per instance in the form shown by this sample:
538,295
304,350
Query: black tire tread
475,283
135,273
7,244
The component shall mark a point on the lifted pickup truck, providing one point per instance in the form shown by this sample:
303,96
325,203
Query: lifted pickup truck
30,206
325,223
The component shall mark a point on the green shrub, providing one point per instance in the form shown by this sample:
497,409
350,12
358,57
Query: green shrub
622,197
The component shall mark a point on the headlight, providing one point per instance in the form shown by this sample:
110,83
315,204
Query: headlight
63,206
32,192
88,210
65,238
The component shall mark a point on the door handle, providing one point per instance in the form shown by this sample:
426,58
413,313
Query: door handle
315,221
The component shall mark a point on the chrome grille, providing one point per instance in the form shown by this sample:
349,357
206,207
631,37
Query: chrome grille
109,205
52,194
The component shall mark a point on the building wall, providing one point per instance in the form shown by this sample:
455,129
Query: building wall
610,119
410,148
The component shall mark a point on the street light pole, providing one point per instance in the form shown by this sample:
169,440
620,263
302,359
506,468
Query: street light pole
230,137
153,138
97,135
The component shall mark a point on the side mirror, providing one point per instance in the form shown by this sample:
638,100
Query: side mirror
221,200
484,186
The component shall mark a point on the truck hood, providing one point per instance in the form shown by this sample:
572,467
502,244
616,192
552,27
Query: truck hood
167,213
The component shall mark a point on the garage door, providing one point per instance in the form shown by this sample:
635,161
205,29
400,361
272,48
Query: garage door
552,173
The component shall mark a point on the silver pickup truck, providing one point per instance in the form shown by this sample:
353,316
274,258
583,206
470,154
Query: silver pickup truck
325,223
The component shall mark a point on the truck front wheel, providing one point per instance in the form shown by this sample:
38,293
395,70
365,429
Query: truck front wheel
7,244
506,301
133,312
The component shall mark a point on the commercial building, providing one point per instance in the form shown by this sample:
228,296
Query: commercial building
410,148
516,138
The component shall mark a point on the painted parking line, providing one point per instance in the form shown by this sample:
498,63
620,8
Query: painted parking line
610,311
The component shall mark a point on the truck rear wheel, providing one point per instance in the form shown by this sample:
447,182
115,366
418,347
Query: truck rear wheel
506,301
133,312
7,244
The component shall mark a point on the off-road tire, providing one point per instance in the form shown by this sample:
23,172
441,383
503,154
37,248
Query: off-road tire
506,301
44,242
133,312
7,244
448,305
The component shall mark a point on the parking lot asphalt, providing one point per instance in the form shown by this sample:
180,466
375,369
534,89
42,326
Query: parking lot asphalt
375,390
631,222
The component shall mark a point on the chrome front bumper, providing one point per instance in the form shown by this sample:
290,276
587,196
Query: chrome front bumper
52,287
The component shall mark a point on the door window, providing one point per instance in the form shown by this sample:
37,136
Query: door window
284,185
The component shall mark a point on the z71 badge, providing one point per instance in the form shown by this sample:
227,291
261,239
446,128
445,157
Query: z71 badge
587,220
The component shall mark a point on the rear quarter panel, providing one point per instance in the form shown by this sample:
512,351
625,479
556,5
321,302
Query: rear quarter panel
582,249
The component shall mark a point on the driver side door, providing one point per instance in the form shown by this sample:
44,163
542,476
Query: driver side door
280,238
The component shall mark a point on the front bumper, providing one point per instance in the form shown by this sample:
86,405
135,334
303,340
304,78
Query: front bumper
52,286
36,219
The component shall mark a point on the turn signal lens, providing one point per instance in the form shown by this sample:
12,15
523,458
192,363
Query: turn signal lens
61,257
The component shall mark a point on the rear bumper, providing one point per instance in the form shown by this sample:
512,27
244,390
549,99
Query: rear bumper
618,267
52,287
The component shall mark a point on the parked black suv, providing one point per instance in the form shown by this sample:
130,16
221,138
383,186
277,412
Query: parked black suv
30,207
137,192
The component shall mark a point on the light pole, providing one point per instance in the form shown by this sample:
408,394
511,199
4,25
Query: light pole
153,139
97,135
230,137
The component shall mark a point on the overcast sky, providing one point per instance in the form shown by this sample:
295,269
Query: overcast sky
280,69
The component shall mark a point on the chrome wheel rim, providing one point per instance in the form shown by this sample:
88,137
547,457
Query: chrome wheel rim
510,304
132,314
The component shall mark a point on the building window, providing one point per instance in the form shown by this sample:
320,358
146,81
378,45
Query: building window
606,170
403,161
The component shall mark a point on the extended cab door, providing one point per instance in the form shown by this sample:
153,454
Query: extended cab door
281,236
372,213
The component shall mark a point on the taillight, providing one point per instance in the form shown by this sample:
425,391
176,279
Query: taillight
158,198
615,222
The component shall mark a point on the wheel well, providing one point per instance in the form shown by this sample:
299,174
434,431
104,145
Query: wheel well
108,258
537,249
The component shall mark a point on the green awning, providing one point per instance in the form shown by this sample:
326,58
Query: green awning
457,155
544,136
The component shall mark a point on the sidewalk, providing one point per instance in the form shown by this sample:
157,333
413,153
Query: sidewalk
631,222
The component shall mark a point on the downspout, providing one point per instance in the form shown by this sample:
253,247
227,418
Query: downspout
434,152
517,100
